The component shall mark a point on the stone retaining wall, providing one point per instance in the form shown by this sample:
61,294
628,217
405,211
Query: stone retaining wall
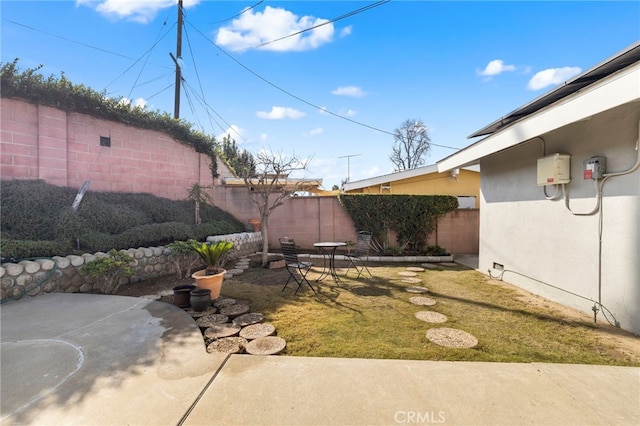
62,274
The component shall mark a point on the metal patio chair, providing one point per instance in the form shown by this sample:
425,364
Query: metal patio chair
361,253
297,270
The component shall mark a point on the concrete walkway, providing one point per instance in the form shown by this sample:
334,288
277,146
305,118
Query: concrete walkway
79,359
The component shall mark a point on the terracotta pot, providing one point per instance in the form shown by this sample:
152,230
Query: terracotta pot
212,282
200,299
256,224
182,295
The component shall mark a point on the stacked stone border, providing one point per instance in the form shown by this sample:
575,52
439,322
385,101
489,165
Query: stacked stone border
62,274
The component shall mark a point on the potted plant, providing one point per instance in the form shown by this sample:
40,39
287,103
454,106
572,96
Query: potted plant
214,255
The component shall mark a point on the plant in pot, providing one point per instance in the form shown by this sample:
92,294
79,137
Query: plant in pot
214,255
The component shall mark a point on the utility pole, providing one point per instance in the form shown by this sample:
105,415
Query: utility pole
348,157
177,59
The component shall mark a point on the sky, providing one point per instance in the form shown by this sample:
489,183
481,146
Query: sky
328,81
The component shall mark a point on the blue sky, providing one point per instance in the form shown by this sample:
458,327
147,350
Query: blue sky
456,66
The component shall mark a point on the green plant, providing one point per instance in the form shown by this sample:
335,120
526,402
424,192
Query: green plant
198,194
436,250
183,254
395,250
110,270
214,255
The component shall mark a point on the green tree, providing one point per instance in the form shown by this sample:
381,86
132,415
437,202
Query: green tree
242,162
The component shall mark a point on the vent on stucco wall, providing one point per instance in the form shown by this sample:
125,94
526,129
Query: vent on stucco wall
105,141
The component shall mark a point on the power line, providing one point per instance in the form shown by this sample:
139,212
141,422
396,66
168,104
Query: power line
346,15
238,14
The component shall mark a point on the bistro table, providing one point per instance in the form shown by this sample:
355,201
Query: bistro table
328,250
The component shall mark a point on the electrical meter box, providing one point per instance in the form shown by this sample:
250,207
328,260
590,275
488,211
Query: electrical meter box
595,167
554,169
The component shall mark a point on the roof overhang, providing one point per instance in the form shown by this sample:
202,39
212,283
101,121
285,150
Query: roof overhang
394,177
285,184
615,82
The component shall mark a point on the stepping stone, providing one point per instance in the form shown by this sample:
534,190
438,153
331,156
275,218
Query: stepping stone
411,280
256,331
424,301
243,266
417,289
407,274
165,293
430,265
211,320
270,345
430,316
233,311
233,272
218,331
224,302
415,269
451,338
248,319
229,345
152,296
198,314
449,264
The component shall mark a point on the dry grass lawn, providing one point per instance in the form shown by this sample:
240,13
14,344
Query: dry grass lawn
373,318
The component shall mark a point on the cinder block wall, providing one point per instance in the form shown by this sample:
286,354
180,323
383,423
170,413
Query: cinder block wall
63,148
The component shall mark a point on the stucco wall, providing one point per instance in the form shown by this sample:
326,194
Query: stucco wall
541,240
63,148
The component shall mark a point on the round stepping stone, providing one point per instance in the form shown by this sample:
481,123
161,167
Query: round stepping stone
415,269
424,301
430,316
218,331
165,293
411,280
430,265
451,338
224,302
211,320
199,314
229,345
243,266
234,271
235,310
256,331
248,319
270,345
415,289
407,274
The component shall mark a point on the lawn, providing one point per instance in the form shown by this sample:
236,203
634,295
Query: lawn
374,318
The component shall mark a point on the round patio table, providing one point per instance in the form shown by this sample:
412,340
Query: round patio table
328,250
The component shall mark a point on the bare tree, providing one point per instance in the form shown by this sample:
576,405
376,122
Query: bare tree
270,186
411,144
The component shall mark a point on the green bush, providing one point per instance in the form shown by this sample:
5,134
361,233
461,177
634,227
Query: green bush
37,220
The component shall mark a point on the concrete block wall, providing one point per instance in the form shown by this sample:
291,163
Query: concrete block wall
63,148
62,274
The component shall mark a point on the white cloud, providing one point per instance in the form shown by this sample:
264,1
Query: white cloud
552,77
353,91
234,131
263,137
496,67
140,103
315,132
142,11
350,113
280,113
323,110
346,31
254,28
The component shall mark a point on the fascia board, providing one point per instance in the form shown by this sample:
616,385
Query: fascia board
621,88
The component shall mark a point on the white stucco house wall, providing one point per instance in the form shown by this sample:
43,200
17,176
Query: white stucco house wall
576,243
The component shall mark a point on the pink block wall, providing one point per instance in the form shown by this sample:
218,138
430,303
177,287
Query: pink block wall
63,148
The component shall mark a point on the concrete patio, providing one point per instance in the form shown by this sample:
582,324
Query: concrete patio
80,359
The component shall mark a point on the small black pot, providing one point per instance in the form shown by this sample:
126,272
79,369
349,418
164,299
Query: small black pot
182,295
200,299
